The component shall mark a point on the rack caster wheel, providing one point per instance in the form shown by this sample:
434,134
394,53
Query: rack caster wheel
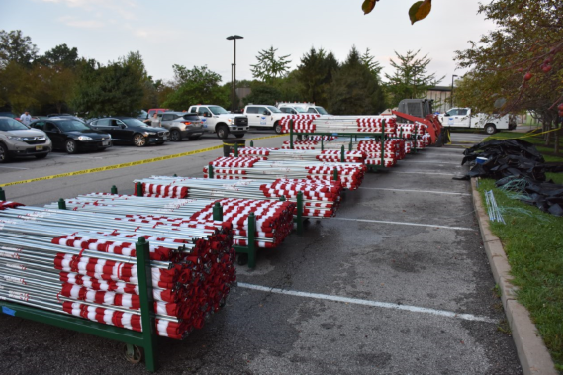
132,353
242,259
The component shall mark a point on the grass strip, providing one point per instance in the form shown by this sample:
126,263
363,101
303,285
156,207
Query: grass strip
533,241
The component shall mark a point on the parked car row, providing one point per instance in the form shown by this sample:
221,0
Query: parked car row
72,134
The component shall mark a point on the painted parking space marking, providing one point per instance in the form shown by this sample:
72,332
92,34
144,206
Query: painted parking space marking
432,173
76,157
403,223
417,191
356,301
429,162
3,166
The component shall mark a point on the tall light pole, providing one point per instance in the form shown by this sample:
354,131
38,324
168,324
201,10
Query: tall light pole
452,92
234,39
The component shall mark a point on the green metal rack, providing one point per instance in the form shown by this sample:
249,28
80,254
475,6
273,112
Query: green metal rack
133,340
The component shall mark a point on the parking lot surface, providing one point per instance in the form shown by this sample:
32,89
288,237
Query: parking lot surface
398,282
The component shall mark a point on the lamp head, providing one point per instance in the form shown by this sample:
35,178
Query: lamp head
234,37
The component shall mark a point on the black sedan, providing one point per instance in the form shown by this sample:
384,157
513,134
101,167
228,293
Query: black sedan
72,135
130,130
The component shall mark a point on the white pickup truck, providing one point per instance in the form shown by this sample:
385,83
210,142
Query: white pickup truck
217,120
463,118
299,108
264,116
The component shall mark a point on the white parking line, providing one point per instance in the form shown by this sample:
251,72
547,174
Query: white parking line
3,166
435,173
417,191
428,162
77,157
355,301
407,224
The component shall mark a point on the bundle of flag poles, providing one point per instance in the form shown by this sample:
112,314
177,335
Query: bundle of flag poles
394,149
274,218
333,155
350,175
311,124
83,264
320,198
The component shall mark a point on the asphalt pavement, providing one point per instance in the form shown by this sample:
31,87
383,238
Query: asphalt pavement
398,282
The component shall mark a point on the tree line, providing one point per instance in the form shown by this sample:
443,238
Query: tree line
518,67
59,80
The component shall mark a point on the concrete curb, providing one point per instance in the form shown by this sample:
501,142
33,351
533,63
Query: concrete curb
533,354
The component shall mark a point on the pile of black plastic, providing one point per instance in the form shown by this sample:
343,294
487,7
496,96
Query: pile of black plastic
516,160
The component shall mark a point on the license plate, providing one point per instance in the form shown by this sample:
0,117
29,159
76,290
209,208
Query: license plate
105,143
38,148
164,138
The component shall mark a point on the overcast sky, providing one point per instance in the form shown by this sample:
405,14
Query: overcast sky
194,32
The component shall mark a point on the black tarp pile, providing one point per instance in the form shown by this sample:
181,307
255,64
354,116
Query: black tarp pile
514,160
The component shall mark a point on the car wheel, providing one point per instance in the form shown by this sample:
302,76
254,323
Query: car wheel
139,140
222,132
40,156
194,137
277,127
70,146
490,129
239,135
4,157
175,135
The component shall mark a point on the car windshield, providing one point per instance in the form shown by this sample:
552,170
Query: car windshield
8,124
322,111
7,114
72,125
274,109
216,110
191,117
134,122
299,110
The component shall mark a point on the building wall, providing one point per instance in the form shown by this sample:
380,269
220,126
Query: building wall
441,97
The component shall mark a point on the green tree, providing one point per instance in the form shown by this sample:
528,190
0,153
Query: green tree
197,85
263,94
269,66
60,56
16,47
355,90
18,87
315,74
150,96
410,79
290,88
109,90
519,65
373,66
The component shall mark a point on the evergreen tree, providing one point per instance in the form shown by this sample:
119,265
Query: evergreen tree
269,67
355,90
315,75
410,79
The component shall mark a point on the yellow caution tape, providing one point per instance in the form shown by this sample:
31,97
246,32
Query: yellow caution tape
125,165
271,136
111,167
529,135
